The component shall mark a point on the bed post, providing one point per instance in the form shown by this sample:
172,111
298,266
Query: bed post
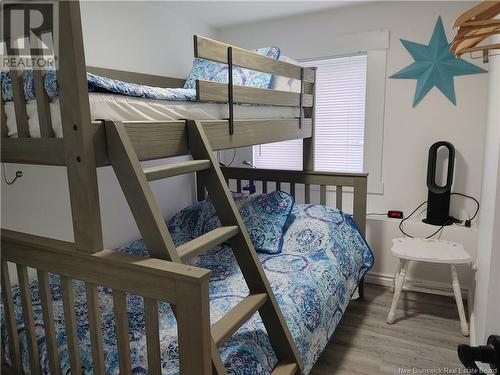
3,120
359,215
308,143
77,131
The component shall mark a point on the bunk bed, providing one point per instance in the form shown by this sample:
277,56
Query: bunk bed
111,287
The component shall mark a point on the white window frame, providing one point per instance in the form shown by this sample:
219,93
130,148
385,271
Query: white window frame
374,119
310,62
291,149
375,44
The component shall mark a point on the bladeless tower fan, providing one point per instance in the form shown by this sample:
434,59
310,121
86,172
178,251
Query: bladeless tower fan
438,199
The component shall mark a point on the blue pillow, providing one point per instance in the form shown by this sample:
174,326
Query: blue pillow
213,71
183,225
266,216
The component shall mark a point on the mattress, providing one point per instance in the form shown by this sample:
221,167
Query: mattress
126,108
324,256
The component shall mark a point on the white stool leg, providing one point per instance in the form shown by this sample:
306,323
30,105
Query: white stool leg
400,279
458,298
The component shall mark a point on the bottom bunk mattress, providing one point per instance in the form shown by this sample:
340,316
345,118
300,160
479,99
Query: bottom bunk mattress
323,259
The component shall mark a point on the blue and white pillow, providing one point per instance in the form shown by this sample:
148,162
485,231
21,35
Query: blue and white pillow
217,72
184,224
266,216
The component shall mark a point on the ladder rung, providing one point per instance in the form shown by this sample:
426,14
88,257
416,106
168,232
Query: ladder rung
285,368
206,242
170,170
238,315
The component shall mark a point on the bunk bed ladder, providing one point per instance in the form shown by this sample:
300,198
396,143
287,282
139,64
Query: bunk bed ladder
134,181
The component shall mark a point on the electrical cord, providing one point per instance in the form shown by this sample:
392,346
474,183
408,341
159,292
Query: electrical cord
19,174
232,160
410,215
474,199
450,221
407,217
226,165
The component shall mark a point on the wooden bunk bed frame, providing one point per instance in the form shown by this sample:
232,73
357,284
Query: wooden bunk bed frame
87,145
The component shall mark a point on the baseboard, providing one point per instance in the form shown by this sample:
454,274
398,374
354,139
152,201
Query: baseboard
414,285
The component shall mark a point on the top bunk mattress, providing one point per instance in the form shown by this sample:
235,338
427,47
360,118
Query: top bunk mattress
126,108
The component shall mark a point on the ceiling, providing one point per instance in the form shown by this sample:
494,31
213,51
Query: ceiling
221,14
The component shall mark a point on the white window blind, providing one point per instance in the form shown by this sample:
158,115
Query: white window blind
340,120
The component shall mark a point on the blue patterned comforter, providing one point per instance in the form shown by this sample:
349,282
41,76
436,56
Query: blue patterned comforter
323,258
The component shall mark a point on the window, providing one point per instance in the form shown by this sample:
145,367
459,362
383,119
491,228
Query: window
340,120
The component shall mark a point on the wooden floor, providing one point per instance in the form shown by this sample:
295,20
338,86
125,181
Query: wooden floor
425,336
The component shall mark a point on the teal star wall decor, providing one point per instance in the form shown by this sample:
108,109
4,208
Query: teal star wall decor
435,65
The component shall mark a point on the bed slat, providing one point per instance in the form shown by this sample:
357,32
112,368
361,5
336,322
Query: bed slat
122,335
278,185
48,321
95,329
307,193
47,151
338,197
217,51
238,185
70,324
152,336
322,195
42,106
3,119
42,100
264,187
292,189
298,177
29,322
162,139
138,78
359,209
193,329
23,130
10,317
208,91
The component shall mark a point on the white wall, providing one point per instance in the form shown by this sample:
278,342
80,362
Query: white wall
138,36
143,36
408,132
487,297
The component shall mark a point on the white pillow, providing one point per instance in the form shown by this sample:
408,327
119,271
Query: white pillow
286,83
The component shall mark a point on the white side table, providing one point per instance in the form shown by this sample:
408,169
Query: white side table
433,251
